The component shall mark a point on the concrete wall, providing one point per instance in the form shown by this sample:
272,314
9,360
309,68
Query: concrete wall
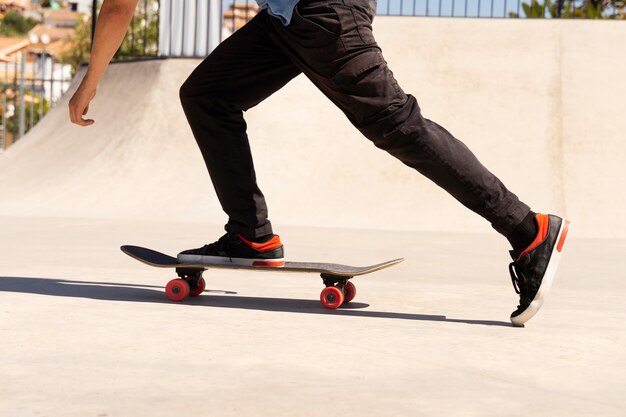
539,102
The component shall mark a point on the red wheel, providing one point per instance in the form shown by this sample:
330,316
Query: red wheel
177,289
198,290
331,297
349,291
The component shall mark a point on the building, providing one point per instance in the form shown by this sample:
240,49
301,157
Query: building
238,14
19,5
10,47
63,18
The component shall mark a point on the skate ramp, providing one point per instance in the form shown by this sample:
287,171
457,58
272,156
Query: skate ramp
135,161
536,101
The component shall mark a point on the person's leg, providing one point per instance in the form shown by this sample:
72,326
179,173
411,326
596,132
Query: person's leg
241,72
333,44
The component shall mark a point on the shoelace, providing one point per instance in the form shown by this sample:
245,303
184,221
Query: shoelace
219,245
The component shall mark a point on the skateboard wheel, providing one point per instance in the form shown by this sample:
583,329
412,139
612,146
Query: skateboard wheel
331,297
177,289
199,288
349,291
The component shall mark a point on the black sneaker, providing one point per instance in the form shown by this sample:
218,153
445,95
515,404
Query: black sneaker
533,269
236,250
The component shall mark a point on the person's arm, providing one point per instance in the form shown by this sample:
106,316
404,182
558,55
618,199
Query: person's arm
113,20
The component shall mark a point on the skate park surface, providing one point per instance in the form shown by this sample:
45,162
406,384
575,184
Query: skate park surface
87,331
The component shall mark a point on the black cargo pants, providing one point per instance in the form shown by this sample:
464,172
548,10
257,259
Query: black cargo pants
331,42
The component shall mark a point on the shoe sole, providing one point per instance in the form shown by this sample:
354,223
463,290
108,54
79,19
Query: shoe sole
220,260
548,278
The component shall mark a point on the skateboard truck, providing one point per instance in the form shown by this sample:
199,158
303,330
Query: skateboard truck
190,273
193,277
331,280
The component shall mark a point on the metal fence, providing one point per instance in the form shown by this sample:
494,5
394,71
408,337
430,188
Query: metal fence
173,28
142,38
34,80
503,8
608,9
450,8
32,83
194,27
189,27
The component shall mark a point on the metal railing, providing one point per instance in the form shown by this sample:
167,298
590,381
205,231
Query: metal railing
30,86
34,80
142,37
189,28
193,27
172,28
449,8
504,8
238,12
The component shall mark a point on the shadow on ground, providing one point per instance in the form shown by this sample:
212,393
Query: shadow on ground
112,291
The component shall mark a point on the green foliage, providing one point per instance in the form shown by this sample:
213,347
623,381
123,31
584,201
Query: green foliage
570,9
80,44
141,38
535,9
37,110
40,105
142,35
16,25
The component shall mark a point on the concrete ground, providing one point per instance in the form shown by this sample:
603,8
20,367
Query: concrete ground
87,331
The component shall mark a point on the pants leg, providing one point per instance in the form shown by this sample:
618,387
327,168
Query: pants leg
333,44
241,72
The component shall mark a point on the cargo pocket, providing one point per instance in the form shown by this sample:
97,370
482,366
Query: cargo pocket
366,86
358,67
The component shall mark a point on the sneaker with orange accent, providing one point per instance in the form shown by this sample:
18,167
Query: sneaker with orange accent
533,269
236,250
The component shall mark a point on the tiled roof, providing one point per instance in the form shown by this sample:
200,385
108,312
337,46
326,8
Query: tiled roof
9,46
53,32
21,3
65,15
54,48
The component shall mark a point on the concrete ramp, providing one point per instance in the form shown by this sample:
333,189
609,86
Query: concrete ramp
523,95
139,159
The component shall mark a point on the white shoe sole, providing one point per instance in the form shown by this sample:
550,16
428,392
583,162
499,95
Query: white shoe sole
221,260
548,278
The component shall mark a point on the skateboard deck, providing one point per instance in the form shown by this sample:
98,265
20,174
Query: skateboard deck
339,289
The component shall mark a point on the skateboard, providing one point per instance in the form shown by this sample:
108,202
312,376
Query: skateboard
190,283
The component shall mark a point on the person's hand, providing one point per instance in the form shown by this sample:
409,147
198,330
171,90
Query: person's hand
79,104
113,21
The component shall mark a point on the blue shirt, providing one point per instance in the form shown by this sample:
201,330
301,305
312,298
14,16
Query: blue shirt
282,9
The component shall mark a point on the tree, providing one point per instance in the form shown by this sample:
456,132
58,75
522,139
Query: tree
16,25
142,35
572,9
141,38
40,106
79,47
603,9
